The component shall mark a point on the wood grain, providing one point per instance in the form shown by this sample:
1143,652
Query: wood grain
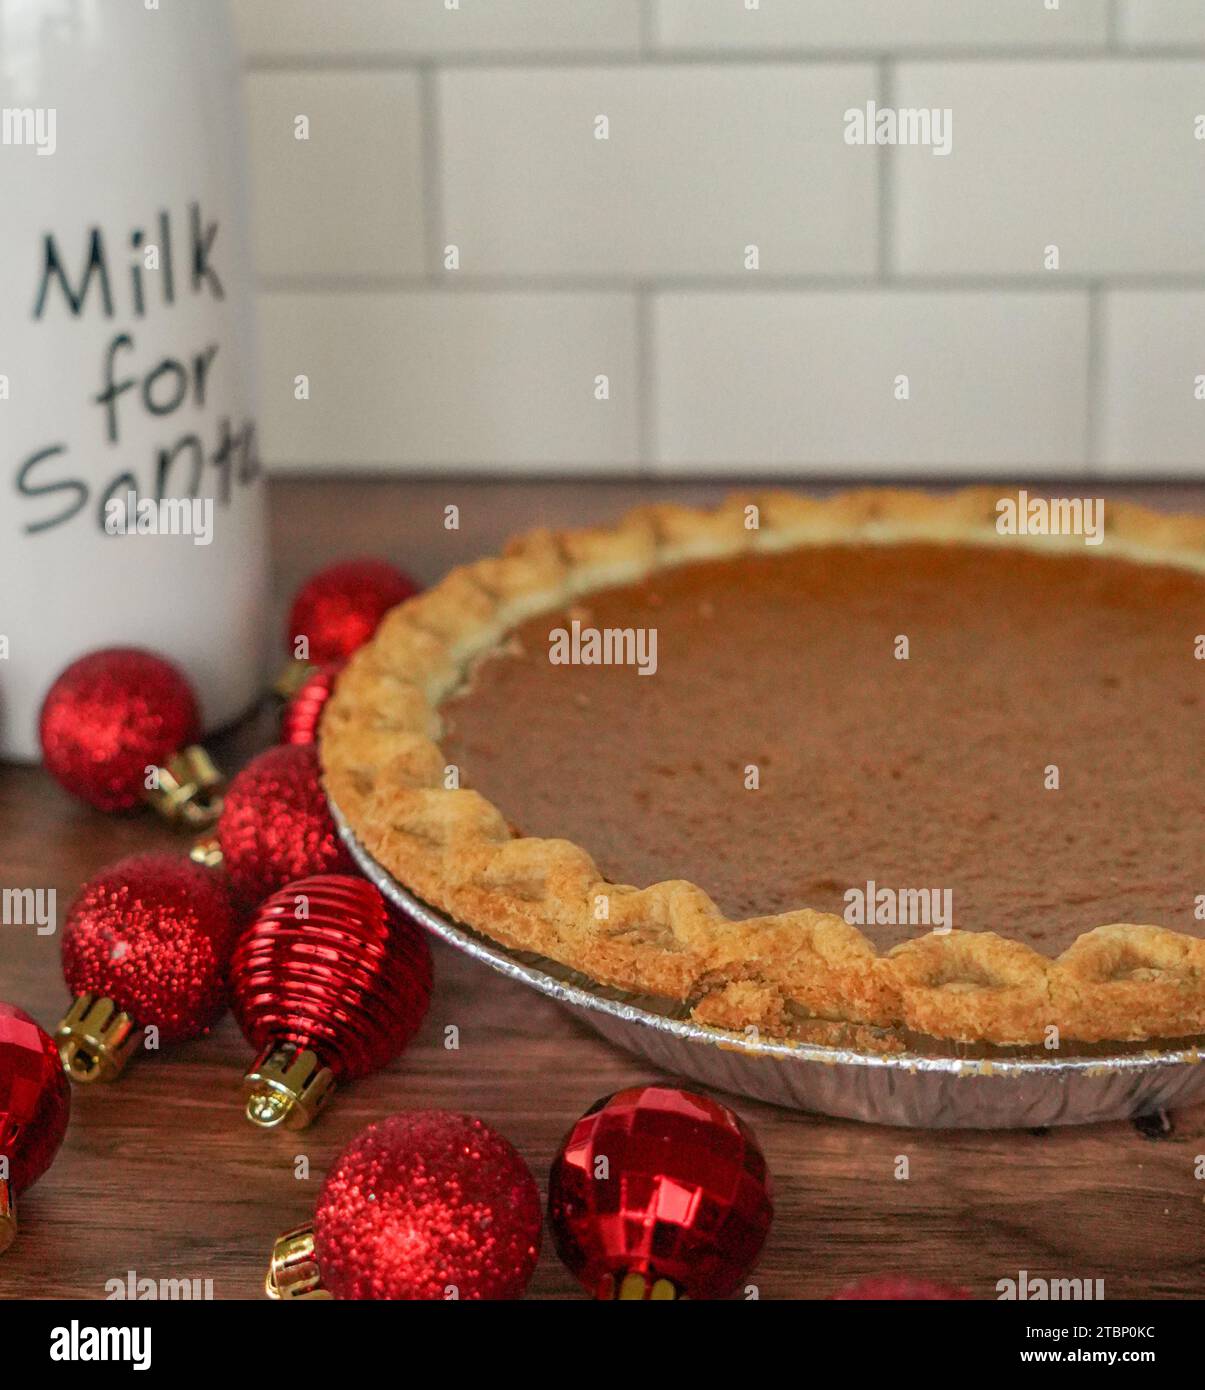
161,1174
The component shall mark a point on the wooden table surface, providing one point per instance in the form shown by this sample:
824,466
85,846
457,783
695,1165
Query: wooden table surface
162,1175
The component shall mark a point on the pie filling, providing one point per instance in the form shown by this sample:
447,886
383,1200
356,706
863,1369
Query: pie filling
881,732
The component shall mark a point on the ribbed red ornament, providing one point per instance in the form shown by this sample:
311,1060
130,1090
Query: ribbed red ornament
659,1193
275,825
338,609
110,716
329,984
299,723
146,943
427,1205
35,1104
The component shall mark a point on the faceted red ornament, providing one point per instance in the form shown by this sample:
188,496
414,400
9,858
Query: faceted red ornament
35,1102
428,1205
109,717
152,934
299,723
330,982
275,825
338,609
894,1286
659,1193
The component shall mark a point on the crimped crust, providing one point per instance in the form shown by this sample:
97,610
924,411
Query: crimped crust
784,974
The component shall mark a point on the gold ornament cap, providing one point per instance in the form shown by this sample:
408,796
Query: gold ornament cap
293,677
8,1215
95,1039
293,1270
188,789
638,1286
287,1087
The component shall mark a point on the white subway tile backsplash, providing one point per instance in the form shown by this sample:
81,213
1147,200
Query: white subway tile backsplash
1162,23
750,382
430,379
878,25
421,28
1154,383
749,284
1097,159
347,200
701,162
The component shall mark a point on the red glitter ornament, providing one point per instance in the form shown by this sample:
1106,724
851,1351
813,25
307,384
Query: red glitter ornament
276,826
299,723
108,718
659,1193
146,944
894,1286
330,982
338,609
35,1103
424,1205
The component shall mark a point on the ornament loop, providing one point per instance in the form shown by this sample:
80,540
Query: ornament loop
293,1271
95,1039
189,789
286,1088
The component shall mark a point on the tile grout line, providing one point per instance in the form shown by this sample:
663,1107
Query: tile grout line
647,37
885,258
646,385
1105,52
955,282
1094,393
430,137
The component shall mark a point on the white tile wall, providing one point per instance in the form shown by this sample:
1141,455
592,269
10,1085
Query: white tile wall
475,125
407,29
1163,22
1095,158
420,380
1154,393
699,163
347,200
880,25
812,380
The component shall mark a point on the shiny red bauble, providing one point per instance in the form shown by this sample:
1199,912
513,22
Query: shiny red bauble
329,983
275,825
35,1103
338,609
108,718
428,1205
880,1288
299,722
659,1193
152,934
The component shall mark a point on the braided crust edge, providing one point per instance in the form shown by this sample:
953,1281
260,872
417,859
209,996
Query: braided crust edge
781,974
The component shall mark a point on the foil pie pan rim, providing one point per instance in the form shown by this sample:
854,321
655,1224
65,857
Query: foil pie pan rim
538,973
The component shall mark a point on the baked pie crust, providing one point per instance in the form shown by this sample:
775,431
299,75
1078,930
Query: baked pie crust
802,973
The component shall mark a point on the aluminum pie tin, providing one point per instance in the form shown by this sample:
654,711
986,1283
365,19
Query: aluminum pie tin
958,1088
